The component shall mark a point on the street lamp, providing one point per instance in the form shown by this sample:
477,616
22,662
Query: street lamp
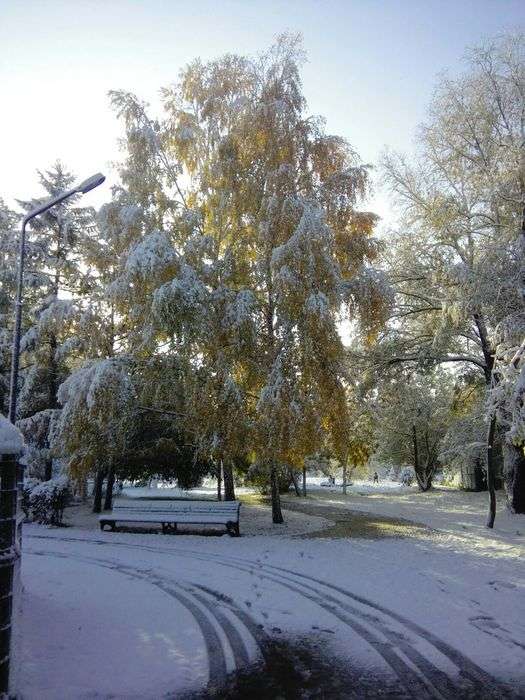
85,186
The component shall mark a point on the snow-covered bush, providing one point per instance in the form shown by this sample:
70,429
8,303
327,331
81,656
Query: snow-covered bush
49,499
29,485
406,476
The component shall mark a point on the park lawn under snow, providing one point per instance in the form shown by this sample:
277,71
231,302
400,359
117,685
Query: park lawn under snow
457,513
144,616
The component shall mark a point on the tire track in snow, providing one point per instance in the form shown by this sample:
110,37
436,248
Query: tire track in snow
429,682
214,647
240,652
218,666
481,682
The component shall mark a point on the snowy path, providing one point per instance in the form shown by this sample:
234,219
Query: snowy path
448,510
148,616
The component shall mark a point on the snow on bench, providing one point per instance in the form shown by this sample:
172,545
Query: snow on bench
171,513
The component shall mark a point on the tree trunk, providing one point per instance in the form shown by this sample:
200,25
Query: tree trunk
422,478
486,347
304,482
108,501
344,478
293,477
514,475
219,481
81,489
97,491
416,450
229,488
52,402
277,516
48,470
490,471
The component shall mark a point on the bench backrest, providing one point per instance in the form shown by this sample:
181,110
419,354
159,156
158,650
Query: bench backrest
157,506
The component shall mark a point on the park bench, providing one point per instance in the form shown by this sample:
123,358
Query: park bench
169,514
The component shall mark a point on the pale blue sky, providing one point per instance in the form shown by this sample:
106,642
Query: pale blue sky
372,67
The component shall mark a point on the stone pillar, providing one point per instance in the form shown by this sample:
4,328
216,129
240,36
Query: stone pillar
11,476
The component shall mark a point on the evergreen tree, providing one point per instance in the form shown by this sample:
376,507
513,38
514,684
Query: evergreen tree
55,272
8,268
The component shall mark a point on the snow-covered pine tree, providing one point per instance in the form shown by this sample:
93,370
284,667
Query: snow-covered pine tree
8,256
56,273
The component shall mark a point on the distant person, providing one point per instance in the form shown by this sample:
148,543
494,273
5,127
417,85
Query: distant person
376,478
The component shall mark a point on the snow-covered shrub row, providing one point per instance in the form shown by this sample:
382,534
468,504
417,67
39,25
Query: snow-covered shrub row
45,501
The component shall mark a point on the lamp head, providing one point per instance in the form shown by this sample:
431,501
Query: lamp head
91,183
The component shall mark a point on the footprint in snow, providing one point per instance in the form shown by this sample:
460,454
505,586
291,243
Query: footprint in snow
503,584
488,625
484,621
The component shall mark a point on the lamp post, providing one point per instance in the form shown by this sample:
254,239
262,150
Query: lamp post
86,186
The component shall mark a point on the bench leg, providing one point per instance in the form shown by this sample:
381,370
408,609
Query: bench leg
233,529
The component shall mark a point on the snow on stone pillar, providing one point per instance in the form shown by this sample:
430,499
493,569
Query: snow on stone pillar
11,475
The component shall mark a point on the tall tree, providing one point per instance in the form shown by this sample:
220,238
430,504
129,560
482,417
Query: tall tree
8,267
414,412
457,269
255,254
55,270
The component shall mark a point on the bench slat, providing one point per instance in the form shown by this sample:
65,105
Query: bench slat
177,506
213,519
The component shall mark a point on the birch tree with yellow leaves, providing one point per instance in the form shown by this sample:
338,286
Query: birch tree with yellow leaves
253,250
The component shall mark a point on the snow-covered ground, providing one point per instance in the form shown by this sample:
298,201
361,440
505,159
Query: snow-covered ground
459,515
149,616
254,520
167,490
358,486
